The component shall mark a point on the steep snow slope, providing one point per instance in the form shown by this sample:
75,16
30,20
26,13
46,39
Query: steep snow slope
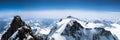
60,26
115,30
73,29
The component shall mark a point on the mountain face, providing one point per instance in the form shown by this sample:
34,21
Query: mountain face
69,28
16,23
77,32
2,24
18,30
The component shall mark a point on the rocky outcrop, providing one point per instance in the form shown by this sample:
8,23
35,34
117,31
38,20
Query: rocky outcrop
78,32
24,33
19,30
16,23
21,33
70,30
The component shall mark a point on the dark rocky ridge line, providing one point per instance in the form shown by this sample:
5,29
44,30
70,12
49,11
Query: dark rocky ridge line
15,26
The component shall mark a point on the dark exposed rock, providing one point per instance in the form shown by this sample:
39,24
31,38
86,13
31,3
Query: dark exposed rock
19,29
72,29
60,20
69,16
21,33
35,37
78,32
16,23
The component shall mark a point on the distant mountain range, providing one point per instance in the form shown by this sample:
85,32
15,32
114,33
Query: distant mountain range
69,28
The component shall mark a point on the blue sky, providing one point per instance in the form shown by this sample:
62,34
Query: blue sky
25,6
100,5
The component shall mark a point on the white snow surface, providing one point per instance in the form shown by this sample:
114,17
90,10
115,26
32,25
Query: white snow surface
61,26
93,25
41,30
115,30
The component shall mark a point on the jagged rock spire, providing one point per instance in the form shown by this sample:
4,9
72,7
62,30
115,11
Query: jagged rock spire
18,29
16,23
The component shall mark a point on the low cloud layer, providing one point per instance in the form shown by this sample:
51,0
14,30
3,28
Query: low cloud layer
61,14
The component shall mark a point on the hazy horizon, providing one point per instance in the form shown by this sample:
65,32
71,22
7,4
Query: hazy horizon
60,8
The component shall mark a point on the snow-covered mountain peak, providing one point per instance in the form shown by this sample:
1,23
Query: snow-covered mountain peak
62,25
71,28
70,20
